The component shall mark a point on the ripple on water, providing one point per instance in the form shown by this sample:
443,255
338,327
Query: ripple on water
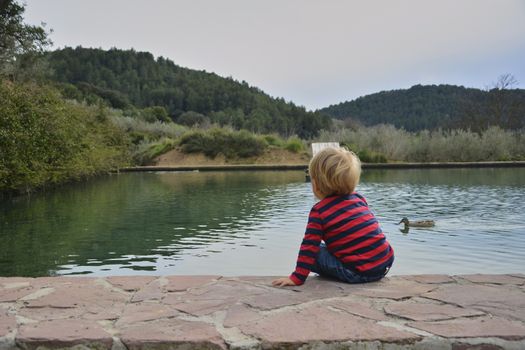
211,223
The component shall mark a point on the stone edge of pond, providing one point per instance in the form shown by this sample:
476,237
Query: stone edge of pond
233,167
477,311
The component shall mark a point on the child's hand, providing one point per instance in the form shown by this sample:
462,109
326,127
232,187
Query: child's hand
282,282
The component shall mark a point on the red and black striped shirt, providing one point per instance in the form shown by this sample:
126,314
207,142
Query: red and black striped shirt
351,233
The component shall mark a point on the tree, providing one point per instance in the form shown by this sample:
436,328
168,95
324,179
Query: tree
505,81
500,104
45,139
192,118
20,44
506,109
155,113
144,82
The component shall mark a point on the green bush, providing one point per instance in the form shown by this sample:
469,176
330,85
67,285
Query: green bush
192,118
155,113
232,144
365,155
147,151
294,144
371,157
47,140
273,140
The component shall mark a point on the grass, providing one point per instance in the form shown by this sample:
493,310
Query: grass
385,142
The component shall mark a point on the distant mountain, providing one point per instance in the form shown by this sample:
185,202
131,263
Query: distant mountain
433,106
128,79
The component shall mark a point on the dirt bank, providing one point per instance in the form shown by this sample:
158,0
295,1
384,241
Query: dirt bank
273,156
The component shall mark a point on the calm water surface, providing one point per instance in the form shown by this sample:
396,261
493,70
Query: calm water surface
251,223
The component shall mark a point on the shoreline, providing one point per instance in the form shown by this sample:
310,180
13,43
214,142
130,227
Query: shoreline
476,311
241,167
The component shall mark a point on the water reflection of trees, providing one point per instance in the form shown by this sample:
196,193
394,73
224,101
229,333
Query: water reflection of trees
131,219
110,220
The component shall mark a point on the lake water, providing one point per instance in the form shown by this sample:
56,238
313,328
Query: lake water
251,223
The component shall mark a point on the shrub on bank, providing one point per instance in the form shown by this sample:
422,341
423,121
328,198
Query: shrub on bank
493,144
146,151
294,144
366,156
232,144
273,140
47,140
140,129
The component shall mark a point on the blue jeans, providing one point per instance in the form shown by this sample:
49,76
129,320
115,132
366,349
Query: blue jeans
328,265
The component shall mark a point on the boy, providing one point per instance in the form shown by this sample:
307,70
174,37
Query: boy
354,249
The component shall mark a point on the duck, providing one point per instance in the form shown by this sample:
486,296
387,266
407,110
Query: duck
421,223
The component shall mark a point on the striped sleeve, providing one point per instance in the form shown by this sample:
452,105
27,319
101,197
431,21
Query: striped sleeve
309,248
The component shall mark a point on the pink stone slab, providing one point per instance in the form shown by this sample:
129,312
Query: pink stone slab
103,312
130,283
429,312
202,307
479,295
315,286
471,328
174,298
316,323
14,280
275,299
63,333
318,287
430,279
501,300
240,314
260,280
209,298
78,295
41,282
151,291
226,289
173,333
15,285
182,283
7,323
396,289
50,313
358,309
505,311
84,311
494,279
13,294
140,312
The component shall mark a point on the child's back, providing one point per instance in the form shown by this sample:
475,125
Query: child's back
355,249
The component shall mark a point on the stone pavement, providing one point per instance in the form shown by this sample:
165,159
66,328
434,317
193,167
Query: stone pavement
169,312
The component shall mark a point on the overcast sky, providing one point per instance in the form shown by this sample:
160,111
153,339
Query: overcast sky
314,53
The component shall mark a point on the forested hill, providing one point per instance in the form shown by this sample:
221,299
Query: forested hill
434,106
130,79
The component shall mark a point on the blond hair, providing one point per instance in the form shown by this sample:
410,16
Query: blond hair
335,171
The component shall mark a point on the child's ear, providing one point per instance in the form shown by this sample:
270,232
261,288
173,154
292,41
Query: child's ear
315,190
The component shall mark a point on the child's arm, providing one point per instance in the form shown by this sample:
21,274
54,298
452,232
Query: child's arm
307,253
309,248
